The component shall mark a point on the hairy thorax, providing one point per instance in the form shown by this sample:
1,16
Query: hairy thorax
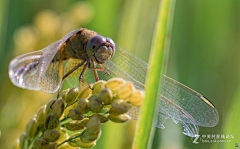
75,46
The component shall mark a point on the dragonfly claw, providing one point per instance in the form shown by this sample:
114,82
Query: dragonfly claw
106,72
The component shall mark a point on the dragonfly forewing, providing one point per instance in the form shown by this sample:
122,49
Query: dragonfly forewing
178,101
195,104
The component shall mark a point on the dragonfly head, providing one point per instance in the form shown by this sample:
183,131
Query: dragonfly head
101,48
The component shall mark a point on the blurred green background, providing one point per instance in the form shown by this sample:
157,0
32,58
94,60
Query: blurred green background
204,55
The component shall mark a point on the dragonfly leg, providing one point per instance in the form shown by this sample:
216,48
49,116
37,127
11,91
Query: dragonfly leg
67,74
95,71
100,69
82,74
104,70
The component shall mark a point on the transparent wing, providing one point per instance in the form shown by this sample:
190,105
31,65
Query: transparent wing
192,102
166,110
38,70
24,72
73,78
177,100
128,66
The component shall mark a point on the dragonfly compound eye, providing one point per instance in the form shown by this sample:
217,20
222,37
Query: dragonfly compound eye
94,43
101,48
112,44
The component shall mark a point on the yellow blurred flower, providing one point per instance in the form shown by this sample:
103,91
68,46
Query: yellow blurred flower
48,23
81,13
25,39
48,26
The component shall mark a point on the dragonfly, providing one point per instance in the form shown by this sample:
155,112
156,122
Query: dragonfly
82,50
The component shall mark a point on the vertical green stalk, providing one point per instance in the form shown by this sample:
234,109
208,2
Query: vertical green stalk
145,131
